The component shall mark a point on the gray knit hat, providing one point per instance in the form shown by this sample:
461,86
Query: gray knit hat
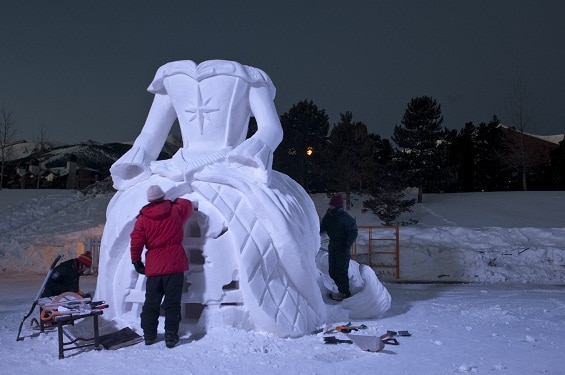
155,193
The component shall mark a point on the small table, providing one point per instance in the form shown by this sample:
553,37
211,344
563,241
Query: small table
63,320
75,308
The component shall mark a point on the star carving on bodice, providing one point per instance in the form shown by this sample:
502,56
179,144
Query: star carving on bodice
200,111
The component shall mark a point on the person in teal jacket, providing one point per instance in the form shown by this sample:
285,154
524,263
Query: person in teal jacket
341,229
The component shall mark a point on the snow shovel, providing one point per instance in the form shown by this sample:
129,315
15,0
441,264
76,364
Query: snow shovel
38,295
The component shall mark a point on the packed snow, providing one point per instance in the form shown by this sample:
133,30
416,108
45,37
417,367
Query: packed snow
489,296
255,231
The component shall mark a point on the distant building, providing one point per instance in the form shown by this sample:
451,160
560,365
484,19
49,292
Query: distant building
32,176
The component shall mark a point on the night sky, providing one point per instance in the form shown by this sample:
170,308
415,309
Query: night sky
79,69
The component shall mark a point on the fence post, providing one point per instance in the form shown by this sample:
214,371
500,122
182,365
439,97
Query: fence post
93,245
370,252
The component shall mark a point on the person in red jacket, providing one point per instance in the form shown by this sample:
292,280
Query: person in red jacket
160,228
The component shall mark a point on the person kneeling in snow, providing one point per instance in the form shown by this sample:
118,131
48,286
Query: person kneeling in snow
159,228
65,277
342,232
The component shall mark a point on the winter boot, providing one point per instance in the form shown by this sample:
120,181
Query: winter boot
171,339
149,337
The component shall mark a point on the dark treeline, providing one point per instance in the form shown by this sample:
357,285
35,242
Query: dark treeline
345,157
423,153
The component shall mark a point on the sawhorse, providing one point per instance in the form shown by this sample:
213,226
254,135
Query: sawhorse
64,320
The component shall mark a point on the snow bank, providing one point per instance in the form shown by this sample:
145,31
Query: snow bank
38,225
530,255
471,237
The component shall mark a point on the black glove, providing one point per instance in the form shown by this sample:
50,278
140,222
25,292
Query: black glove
139,267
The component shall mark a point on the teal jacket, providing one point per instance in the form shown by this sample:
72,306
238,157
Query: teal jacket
340,227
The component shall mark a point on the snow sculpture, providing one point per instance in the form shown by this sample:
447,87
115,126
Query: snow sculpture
252,243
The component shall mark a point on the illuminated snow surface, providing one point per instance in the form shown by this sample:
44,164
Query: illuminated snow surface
507,319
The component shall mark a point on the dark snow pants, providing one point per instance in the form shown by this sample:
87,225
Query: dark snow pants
157,287
338,268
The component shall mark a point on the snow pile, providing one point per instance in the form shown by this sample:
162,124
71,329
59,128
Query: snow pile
38,225
532,255
487,237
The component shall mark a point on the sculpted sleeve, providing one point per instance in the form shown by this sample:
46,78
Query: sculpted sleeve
133,166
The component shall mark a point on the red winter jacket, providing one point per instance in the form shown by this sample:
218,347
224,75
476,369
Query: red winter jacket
160,229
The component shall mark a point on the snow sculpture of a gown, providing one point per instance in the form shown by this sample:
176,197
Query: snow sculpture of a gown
258,226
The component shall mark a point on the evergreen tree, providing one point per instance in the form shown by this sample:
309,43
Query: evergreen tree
387,196
421,144
388,205
491,174
383,150
462,157
349,157
304,126
383,154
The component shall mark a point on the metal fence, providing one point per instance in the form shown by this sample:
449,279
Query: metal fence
379,248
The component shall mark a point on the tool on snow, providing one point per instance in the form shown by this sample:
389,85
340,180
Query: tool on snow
119,339
48,314
399,333
68,303
367,343
345,328
348,328
335,340
364,342
55,261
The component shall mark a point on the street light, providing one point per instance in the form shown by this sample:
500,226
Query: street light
307,165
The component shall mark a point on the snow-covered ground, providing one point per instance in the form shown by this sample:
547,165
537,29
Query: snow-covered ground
509,320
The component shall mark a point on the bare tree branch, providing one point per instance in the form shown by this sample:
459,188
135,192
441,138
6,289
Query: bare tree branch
7,134
522,110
